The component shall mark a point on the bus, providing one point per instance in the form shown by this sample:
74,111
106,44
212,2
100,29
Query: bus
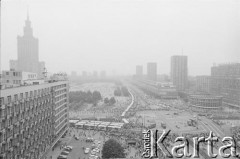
80,125
102,127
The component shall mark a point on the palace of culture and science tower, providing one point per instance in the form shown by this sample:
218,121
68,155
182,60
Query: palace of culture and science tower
28,54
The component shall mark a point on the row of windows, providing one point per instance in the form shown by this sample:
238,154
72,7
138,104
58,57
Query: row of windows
63,123
26,95
32,94
59,86
13,73
32,76
58,119
60,97
16,129
55,107
60,92
28,144
16,81
38,112
60,108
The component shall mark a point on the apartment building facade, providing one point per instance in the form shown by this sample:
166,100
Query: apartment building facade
32,119
179,72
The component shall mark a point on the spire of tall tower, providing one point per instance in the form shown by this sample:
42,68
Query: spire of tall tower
27,13
28,28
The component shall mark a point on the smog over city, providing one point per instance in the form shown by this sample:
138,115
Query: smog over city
93,79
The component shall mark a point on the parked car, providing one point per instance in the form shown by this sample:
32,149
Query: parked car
89,140
67,148
97,150
93,157
97,142
64,152
62,157
86,151
93,152
70,147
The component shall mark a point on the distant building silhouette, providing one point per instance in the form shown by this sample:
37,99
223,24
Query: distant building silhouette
95,74
139,70
179,71
152,71
203,83
225,81
73,74
84,73
28,52
103,74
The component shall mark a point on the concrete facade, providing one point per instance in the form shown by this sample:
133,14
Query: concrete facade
32,119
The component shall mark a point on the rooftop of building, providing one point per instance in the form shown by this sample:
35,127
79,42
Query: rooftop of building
227,64
35,82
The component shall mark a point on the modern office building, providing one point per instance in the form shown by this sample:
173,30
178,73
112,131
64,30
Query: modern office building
139,70
32,119
179,72
152,71
203,83
225,81
28,52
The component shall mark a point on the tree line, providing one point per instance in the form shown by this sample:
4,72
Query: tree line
85,97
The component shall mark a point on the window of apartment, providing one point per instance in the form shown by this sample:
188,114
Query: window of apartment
26,94
15,97
7,81
7,73
9,99
2,100
31,93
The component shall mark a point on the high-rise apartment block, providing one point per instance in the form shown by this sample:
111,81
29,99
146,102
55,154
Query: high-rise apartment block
32,119
179,72
152,71
139,70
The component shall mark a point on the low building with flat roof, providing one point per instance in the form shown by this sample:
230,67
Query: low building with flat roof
16,78
205,102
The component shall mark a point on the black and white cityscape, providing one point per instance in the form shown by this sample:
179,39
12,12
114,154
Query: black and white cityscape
91,79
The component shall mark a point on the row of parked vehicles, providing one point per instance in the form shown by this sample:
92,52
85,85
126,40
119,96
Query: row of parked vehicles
94,150
65,152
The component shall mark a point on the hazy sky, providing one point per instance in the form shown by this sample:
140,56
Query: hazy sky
78,35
